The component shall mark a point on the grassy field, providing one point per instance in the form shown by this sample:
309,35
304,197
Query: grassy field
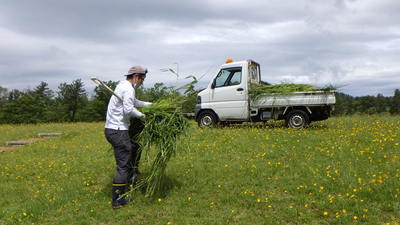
340,171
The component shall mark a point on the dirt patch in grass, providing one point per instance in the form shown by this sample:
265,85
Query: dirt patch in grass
3,149
25,141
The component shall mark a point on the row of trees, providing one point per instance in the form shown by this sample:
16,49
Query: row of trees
349,105
72,103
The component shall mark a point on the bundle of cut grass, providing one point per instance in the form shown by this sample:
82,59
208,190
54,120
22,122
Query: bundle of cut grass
163,125
256,91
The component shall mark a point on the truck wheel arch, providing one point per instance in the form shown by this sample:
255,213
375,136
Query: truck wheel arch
288,109
212,115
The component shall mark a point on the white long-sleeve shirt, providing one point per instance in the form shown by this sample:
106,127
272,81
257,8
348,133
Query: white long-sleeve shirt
119,112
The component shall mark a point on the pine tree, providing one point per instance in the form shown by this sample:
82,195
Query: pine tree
3,96
72,98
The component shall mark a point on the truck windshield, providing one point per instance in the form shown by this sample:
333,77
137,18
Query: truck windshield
228,77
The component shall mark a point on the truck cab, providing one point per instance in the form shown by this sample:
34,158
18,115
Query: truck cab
226,96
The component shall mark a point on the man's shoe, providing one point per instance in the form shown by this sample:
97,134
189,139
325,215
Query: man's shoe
118,198
120,203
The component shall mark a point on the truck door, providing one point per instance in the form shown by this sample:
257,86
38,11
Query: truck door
228,95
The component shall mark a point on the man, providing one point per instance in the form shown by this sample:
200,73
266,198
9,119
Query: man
119,113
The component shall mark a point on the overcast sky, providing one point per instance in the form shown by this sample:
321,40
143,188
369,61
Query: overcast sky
354,44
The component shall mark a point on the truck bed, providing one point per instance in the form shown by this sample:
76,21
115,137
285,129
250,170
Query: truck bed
312,98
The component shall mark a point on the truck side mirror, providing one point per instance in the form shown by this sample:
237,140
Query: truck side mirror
213,85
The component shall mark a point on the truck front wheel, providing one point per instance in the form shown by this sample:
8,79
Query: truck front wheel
297,119
207,119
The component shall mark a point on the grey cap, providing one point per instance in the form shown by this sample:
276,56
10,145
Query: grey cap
136,69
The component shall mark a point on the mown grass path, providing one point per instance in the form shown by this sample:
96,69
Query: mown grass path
340,171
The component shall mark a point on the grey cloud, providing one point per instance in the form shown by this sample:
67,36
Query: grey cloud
361,87
101,20
93,19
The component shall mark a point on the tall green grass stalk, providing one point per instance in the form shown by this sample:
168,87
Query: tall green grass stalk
164,124
258,90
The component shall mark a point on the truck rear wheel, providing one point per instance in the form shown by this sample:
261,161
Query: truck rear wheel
297,119
207,119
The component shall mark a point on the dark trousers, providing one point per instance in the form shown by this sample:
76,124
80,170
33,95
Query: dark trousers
125,152
136,127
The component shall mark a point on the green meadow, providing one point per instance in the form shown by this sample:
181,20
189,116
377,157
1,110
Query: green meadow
345,170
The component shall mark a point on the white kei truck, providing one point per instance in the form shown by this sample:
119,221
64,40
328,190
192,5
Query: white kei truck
226,99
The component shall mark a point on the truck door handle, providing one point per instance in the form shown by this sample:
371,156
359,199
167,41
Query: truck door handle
239,89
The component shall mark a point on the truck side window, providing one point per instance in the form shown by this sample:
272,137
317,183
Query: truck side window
228,77
221,78
236,78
